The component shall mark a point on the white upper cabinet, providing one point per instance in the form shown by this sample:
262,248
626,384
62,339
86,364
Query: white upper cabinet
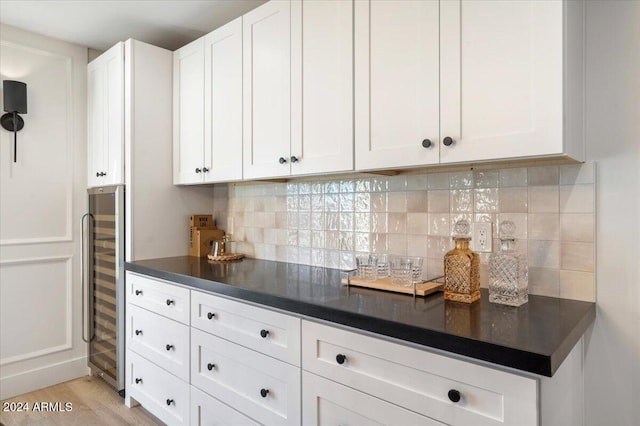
105,102
267,90
207,85
480,80
223,103
502,80
188,113
322,86
396,83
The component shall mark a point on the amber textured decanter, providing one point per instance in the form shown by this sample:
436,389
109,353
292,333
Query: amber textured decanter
508,270
462,267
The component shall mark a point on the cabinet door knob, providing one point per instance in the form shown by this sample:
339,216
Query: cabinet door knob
138,380
198,170
138,332
294,159
264,392
205,170
138,292
426,143
264,333
169,401
282,160
169,347
340,359
448,141
97,174
211,315
170,302
454,395
210,366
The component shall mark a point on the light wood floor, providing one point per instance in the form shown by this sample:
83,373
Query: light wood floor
93,402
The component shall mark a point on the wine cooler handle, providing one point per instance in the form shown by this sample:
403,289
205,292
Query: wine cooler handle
86,296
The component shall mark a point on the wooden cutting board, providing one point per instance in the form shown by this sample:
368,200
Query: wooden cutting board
422,289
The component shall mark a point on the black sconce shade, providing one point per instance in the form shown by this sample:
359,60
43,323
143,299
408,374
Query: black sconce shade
15,96
15,102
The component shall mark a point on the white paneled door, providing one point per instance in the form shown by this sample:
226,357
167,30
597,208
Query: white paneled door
397,96
42,197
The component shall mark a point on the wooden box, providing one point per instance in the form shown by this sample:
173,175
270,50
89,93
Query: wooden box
202,239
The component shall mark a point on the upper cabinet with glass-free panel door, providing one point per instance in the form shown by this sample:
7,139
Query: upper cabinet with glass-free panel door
105,113
511,80
397,117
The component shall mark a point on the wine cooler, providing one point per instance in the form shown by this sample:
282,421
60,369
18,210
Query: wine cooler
103,283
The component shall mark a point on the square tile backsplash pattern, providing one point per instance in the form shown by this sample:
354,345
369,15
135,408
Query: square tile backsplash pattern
326,222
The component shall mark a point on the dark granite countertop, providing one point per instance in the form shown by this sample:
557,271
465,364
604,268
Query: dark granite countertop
535,337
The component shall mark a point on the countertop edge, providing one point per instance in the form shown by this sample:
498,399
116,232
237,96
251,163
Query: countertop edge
501,356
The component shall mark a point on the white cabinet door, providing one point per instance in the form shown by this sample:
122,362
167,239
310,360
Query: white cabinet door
223,103
396,83
501,79
266,90
322,86
105,102
188,113
328,403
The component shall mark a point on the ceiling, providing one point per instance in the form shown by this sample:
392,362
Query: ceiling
99,24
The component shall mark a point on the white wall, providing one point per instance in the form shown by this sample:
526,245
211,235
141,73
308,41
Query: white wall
42,198
612,359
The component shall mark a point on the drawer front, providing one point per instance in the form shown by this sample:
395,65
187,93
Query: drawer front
263,388
158,296
163,394
268,332
419,380
161,340
328,403
208,411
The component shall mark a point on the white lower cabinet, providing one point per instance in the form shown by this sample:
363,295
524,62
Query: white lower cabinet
445,389
208,411
258,386
161,393
328,403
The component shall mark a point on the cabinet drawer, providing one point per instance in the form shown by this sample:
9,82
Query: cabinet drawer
158,296
258,386
246,325
328,403
159,339
208,411
418,380
163,394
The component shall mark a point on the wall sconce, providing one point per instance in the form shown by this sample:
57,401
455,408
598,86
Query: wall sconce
15,102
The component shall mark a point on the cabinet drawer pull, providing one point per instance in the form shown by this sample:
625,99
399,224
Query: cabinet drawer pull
211,315
169,347
138,332
169,401
454,395
138,380
205,170
264,333
340,359
426,143
282,160
264,392
210,366
294,159
198,170
138,292
448,141
170,302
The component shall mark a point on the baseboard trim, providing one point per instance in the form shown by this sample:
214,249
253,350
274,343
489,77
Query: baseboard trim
29,381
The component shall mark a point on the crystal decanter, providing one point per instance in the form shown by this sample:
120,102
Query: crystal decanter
462,268
508,271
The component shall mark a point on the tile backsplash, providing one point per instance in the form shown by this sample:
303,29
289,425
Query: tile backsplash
326,221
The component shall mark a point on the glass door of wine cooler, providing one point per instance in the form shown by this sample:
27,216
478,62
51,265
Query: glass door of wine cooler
104,293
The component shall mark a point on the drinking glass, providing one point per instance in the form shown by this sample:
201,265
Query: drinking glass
401,269
416,269
367,267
